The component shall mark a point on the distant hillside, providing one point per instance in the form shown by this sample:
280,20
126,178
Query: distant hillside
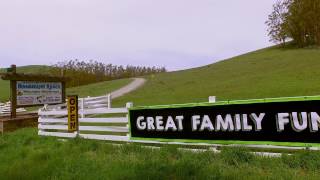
270,72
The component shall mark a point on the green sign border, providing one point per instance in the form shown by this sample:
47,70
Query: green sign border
219,103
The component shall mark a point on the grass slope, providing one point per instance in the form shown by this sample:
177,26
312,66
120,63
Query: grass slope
270,72
24,155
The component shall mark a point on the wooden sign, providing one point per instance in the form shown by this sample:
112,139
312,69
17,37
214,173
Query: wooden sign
72,113
28,90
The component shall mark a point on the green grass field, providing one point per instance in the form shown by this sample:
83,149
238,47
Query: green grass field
265,73
24,155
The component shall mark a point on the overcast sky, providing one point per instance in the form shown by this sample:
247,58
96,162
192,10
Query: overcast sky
176,34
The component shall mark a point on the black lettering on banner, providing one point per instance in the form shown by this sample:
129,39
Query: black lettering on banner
295,121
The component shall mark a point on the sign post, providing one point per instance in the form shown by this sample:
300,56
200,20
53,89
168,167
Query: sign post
13,94
73,113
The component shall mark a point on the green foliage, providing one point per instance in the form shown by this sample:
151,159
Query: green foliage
82,72
25,155
297,20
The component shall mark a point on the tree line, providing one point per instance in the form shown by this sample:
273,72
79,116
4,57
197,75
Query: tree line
82,72
295,20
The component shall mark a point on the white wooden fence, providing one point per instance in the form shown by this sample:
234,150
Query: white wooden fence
5,108
97,120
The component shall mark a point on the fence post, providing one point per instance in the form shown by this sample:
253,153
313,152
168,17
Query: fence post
212,99
109,101
128,105
82,107
81,116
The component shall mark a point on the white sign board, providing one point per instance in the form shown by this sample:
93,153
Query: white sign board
34,93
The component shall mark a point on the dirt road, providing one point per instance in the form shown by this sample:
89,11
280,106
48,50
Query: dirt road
135,84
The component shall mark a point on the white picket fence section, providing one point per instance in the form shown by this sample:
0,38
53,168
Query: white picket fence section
5,108
114,127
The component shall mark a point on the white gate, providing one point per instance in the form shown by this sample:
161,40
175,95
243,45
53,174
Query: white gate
97,120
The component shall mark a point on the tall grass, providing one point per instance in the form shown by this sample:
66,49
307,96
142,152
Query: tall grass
24,155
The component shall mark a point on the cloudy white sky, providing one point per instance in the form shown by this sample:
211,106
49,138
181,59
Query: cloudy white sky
176,34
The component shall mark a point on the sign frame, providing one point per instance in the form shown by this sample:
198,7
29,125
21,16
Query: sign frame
32,105
219,103
73,114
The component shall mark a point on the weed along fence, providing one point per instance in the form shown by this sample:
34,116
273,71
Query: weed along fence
97,120
291,122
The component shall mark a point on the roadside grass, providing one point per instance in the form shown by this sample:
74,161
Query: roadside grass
24,155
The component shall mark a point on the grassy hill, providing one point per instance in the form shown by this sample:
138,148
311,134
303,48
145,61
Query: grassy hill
270,72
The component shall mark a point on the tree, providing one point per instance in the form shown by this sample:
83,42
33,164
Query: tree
82,72
296,20
276,22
